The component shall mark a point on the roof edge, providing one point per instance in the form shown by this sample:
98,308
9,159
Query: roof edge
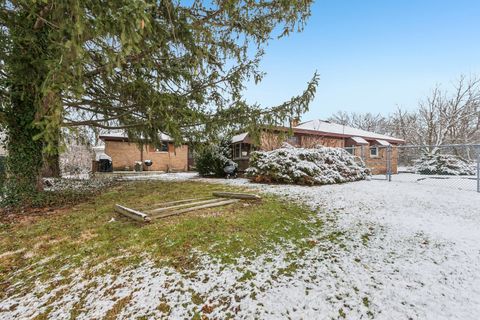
339,135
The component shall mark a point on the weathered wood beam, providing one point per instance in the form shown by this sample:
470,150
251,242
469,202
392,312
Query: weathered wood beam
183,205
178,212
236,195
133,214
176,202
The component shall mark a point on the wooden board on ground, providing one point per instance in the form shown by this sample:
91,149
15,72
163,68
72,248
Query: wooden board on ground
174,208
188,204
131,213
163,204
181,211
236,195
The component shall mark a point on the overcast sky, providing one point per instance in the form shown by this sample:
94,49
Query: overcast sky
373,55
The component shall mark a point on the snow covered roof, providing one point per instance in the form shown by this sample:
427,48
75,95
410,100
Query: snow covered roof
359,140
338,129
113,135
383,142
239,137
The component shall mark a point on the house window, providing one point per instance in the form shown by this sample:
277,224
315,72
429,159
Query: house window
241,150
293,140
237,149
163,147
373,151
350,150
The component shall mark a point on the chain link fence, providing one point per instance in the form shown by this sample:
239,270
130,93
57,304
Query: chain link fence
455,166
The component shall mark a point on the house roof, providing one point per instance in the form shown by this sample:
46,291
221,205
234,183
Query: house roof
239,137
383,142
122,135
328,128
359,140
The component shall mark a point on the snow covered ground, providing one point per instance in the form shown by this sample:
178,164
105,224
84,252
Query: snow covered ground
407,250
467,182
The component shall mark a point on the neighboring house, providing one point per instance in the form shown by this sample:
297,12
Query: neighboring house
371,147
124,153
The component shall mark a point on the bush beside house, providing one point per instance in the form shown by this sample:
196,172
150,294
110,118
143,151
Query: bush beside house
212,159
320,165
443,164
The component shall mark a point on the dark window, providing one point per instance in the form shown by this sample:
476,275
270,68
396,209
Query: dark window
350,150
373,151
162,148
241,150
237,149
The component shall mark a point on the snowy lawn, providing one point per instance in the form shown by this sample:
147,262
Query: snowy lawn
50,266
466,182
369,249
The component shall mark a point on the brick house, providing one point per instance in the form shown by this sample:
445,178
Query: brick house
370,146
124,153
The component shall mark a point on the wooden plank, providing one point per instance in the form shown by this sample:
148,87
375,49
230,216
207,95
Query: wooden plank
236,195
209,205
176,202
133,214
183,205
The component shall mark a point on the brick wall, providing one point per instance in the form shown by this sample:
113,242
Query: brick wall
125,154
310,141
378,164
271,141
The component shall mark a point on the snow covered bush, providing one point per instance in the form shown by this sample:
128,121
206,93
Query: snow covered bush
444,164
210,160
320,165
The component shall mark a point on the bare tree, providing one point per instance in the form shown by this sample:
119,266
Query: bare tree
403,124
365,121
341,117
445,118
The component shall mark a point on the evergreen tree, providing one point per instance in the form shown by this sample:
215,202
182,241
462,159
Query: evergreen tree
143,66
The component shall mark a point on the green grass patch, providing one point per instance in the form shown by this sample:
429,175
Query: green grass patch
366,238
86,235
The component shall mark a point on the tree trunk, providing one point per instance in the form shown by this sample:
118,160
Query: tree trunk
51,161
24,160
24,153
51,166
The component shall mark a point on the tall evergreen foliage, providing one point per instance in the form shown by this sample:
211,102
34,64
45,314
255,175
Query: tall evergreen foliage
210,160
143,66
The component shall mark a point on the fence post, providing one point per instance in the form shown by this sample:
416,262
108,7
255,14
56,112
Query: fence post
478,168
389,163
